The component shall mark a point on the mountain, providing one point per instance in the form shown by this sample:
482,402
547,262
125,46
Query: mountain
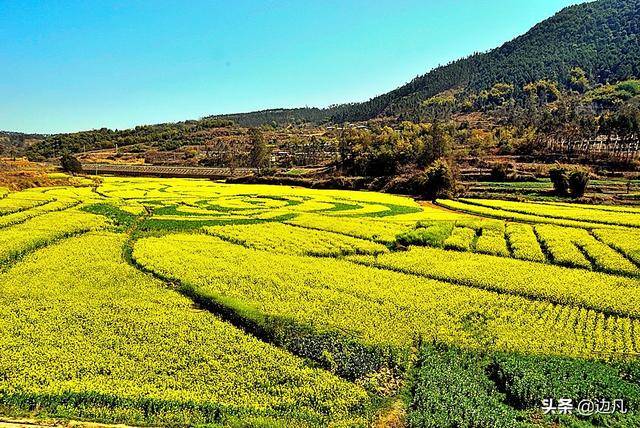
16,143
601,37
284,116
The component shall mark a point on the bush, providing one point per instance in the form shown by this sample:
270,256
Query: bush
431,235
439,180
578,181
560,180
501,171
70,163
572,181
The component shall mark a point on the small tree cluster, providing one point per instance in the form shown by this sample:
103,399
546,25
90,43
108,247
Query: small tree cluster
438,180
259,155
70,163
569,181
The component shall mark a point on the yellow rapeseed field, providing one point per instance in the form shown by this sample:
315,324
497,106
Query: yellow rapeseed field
182,302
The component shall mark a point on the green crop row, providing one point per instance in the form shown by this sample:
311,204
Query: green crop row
507,390
461,239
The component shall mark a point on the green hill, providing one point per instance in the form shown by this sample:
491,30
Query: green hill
601,37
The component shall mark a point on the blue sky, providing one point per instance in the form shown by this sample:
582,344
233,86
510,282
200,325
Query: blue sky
75,65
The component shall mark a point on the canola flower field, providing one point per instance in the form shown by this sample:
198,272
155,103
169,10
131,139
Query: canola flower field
178,302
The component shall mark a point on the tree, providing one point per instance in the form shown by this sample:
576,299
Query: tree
542,92
499,94
560,180
578,181
70,163
500,171
440,181
259,155
578,80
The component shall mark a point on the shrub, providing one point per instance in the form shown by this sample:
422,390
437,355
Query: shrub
70,163
440,181
578,181
500,171
560,180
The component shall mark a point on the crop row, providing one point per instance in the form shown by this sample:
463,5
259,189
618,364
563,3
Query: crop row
574,247
625,241
22,216
613,208
136,352
593,290
313,305
454,388
578,248
372,229
38,231
282,238
496,212
16,202
563,212
524,243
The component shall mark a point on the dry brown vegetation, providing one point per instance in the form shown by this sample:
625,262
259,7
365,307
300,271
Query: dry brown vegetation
21,174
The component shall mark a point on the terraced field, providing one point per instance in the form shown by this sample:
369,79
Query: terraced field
187,302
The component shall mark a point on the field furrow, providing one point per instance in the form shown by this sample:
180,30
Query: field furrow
86,335
309,294
595,290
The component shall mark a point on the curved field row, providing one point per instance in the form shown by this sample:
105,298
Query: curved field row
561,285
138,352
374,230
21,238
282,238
498,213
16,202
562,212
376,307
22,216
613,208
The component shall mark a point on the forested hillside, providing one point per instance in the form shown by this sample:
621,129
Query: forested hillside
572,77
16,143
285,116
601,37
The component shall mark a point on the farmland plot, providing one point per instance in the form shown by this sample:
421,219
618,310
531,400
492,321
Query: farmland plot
184,302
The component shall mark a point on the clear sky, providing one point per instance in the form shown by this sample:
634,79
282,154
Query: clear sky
74,65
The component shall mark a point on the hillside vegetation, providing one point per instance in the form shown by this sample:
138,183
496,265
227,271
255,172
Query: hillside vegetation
600,37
